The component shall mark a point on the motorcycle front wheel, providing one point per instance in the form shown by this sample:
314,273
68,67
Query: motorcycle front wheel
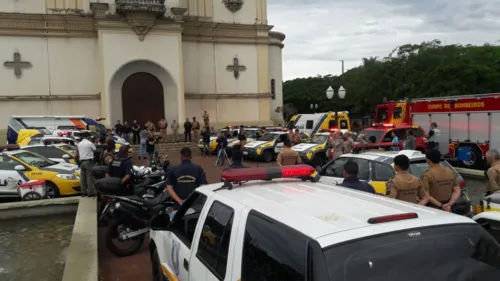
123,248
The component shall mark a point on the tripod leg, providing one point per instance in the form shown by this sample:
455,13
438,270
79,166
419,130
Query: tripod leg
227,157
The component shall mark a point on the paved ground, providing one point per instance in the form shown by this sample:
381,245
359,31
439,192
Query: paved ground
138,266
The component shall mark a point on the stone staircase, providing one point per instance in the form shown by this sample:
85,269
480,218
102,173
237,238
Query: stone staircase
171,148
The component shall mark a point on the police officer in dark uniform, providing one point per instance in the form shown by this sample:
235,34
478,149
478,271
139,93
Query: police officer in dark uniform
122,167
351,180
405,186
184,178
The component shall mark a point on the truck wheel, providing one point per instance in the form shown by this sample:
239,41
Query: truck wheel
318,160
475,161
268,156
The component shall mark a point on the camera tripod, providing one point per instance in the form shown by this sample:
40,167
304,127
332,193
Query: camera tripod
222,153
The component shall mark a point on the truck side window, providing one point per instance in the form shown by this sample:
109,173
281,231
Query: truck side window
309,124
417,132
343,124
186,218
397,114
214,239
272,251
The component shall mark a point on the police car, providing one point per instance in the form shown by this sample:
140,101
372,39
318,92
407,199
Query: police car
293,229
377,167
267,147
314,150
21,166
62,153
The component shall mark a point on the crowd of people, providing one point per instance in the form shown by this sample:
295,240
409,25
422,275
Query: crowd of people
438,187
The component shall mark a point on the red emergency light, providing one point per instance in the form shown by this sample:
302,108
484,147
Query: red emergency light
390,218
268,173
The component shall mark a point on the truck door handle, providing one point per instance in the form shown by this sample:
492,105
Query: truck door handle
186,265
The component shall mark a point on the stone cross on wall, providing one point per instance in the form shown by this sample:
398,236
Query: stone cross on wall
18,65
236,68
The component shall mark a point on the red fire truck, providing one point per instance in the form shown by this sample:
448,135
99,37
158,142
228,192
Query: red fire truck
470,122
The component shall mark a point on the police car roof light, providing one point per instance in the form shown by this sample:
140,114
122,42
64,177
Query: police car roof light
268,173
390,218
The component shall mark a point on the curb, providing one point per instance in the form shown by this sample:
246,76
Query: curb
470,172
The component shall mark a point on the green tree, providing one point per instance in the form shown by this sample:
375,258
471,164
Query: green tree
429,69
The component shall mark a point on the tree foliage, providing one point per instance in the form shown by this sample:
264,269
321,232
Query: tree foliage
429,69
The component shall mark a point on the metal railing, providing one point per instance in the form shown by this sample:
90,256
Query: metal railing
150,6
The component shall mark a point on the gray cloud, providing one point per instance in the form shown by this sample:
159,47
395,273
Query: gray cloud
322,32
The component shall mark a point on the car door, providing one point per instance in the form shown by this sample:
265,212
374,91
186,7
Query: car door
176,245
10,179
213,250
278,143
381,173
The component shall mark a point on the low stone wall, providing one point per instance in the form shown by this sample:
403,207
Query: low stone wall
82,261
38,208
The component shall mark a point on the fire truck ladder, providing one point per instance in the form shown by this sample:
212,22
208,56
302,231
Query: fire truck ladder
493,95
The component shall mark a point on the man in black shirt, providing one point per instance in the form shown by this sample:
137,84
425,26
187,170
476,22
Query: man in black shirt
122,167
351,178
135,132
118,128
184,178
188,126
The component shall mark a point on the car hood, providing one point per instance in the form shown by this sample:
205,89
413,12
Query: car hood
254,144
62,168
303,146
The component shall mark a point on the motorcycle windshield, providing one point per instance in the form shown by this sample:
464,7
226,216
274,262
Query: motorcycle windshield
443,253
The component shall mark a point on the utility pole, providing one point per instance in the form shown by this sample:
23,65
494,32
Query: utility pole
342,66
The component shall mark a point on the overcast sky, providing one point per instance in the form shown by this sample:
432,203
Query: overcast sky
319,33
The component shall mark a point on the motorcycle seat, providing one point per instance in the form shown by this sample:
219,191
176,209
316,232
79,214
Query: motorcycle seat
495,198
150,203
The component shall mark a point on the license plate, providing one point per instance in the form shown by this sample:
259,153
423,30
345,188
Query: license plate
245,152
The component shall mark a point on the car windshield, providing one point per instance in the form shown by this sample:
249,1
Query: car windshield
319,139
69,148
373,133
34,159
253,134
442,253
420,166
269,137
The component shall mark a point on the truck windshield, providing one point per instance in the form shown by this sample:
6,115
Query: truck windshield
382,114
443,253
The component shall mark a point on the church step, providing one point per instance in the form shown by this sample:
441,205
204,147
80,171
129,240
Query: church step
163,148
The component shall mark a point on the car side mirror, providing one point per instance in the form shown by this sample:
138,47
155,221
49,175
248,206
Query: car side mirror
19,168
160,222
66,156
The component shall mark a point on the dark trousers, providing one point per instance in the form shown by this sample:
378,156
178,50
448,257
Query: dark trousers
187,136
136,138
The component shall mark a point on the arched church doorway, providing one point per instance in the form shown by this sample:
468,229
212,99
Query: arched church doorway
142,98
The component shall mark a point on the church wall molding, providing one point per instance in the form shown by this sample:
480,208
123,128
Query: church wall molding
49,25
51,97
227,96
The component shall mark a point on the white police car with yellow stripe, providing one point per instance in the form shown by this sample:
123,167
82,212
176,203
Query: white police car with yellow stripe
313,152
285,224
266,148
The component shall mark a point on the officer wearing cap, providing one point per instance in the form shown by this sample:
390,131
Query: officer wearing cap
184,178
440,182
109,155
122,167
405,186
288,156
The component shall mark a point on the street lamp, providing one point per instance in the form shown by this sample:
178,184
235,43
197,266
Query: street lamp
330,94
314,107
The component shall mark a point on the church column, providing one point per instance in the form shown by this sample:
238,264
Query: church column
263,78
181,103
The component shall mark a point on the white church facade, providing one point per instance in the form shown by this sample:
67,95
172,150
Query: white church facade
140,59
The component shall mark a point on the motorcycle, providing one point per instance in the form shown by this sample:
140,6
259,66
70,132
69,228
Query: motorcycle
487,214
130,220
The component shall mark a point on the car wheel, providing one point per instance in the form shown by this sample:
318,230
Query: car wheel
30,196
268,156
157,272
476,158
318,160
51,190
